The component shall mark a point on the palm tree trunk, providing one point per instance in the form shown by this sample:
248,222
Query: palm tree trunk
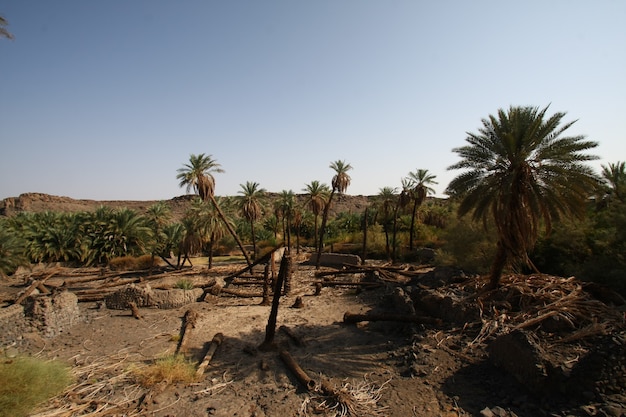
316,231
320,246
230,229
288,231
253,239
395,233
210,260
497,267
364,251
412,231
387,249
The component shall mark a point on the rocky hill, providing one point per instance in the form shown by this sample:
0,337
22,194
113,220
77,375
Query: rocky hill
38,202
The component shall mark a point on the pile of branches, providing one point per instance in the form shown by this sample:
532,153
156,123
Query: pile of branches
562,310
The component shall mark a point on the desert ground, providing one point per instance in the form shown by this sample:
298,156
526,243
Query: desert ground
439,366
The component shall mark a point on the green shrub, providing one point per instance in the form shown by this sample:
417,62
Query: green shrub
184,284
28,382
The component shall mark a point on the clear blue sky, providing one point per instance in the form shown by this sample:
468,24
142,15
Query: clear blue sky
107,99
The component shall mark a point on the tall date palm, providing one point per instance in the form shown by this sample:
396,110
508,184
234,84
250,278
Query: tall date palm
614,176
198,174
420,184
340,182
316,196
250,206
521,171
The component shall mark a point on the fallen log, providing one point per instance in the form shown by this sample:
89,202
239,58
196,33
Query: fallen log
89,298
215,343
239,293
403,318
293,366
43,289
189,322
34,285
262,260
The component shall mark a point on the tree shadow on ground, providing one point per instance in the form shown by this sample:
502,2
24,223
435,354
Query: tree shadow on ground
336,351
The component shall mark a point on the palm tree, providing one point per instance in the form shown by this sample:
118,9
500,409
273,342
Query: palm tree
420,180
388,203
158,215
285,206
197,174
614,175
521,171
250,206
4,33
316,196
12,247
340,183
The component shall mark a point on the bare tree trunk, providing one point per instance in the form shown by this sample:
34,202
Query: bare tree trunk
270,329
387,248
266,285
222,217
323,228
315,231
412,230
210,260
394,245
253,239
497,267
364,250
288,274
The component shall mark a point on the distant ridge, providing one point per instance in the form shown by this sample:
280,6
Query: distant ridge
39,202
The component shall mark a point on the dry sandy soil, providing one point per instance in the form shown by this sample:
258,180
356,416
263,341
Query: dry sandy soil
378,368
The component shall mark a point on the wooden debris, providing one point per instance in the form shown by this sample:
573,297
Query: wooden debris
262,260
189,322
215,343
294,367
318,288
298,303
34,285
134,311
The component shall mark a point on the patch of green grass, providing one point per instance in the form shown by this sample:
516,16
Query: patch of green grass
27,382
184,284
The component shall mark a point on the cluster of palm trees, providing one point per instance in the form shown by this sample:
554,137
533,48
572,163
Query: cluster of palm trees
198,174
520,174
